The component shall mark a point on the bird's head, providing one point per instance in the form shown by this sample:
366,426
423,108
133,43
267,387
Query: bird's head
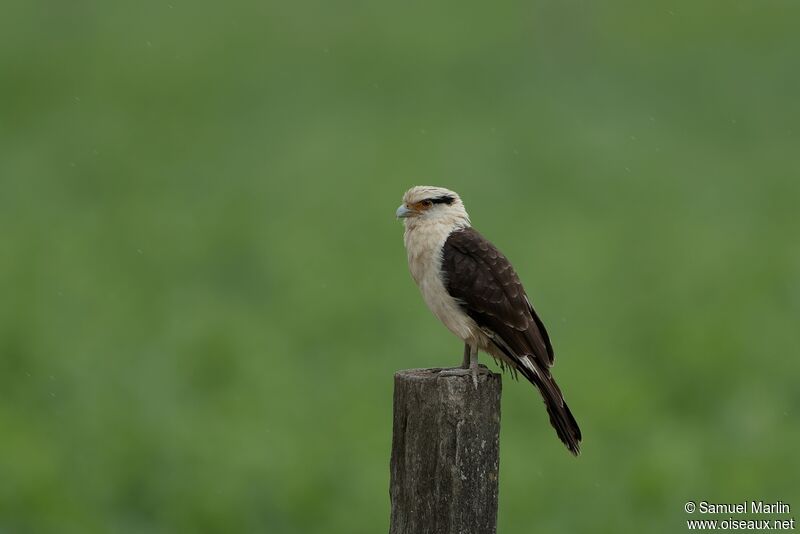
425,204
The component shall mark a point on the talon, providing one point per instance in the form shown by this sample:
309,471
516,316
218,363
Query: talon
473,371
453,371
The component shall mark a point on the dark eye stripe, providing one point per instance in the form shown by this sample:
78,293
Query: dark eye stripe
446,199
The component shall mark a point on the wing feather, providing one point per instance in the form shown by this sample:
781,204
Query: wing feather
483,280
490,292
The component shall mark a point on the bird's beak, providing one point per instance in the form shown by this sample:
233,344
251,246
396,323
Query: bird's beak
403,212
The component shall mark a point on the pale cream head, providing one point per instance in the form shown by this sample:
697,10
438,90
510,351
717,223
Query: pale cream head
425,204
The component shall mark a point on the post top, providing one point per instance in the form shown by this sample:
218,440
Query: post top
433,373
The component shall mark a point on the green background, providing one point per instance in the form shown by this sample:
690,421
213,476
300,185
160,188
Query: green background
204,292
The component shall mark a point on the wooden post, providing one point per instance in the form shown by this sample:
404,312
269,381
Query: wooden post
445,453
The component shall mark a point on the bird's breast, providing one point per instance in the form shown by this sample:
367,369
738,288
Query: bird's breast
424,251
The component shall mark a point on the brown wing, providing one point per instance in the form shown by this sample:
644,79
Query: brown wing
483,280
489,291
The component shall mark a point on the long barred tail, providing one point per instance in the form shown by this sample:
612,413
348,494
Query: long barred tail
560,416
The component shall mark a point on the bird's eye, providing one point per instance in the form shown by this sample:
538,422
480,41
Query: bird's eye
427,203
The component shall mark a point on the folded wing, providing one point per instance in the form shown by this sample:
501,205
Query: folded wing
490,292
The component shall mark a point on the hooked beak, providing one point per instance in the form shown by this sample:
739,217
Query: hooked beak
403,212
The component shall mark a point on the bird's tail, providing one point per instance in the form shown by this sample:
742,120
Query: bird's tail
560,416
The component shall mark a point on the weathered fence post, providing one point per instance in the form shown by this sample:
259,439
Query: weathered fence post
445,453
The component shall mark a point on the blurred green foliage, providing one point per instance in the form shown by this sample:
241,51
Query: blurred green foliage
204,293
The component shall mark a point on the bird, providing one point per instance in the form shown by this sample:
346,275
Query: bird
472,288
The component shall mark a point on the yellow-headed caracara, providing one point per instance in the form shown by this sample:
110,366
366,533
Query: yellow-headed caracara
473,289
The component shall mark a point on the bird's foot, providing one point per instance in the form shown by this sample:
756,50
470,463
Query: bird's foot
472,370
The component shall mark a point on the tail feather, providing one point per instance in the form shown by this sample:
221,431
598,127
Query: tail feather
560,416
539,375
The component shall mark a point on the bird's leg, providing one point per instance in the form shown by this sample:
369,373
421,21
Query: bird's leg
473,356
474,367
457,370
469,366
